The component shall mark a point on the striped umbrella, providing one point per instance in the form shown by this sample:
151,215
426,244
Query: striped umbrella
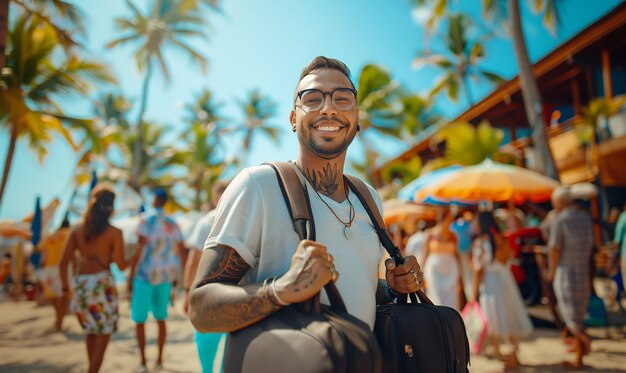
409,190
491,181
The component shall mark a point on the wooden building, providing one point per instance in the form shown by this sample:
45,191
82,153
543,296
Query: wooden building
591,64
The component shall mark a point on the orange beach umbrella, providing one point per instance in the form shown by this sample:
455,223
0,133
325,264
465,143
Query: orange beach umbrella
491,181
395,211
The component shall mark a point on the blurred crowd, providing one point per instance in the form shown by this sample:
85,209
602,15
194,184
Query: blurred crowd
504,257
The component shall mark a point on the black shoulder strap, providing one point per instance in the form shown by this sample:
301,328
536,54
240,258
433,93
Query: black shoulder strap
363,194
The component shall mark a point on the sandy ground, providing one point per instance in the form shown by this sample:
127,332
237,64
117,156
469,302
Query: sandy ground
28,344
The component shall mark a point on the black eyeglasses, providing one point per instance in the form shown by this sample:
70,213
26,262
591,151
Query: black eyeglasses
313,99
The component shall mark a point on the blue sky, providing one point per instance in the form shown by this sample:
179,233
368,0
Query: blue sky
261,45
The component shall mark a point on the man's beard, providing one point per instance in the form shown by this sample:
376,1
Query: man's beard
326,152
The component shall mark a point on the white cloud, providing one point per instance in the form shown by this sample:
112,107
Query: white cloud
421,14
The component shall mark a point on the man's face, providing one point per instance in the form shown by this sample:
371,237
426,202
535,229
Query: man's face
328,131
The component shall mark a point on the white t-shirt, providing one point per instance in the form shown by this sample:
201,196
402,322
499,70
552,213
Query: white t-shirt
201,230
253,219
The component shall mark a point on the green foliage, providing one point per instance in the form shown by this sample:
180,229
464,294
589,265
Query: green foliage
598,109
404,171
166,25
377,94
157,155
601,107
257,109
63,17
469,145
35,81
416,115
459,61
386,109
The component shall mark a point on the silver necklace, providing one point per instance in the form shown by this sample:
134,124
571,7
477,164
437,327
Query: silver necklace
346,226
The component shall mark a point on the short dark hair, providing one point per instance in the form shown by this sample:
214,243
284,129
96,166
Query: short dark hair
321,62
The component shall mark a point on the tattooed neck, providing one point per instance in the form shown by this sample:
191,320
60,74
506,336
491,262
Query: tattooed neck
325,180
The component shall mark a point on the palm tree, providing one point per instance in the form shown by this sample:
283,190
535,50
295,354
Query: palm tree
404,171
110,110
257,110
468,145
202,139
156,156
530,91
166,25
33,82
203,165
378,114
57,14
416,115
459,61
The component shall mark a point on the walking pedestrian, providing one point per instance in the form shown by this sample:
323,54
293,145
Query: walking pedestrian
91,247
571,245
496,290
442,265
159,256
207,344
51,248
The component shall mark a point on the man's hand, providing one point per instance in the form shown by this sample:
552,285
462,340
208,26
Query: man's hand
405,278
311,268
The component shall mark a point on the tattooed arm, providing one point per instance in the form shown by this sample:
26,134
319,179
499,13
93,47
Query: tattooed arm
218,304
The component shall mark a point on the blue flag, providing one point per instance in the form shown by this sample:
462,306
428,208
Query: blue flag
35,228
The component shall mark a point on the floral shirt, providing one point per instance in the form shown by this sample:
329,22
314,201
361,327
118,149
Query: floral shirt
158,263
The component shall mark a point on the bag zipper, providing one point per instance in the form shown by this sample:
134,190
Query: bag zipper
467,348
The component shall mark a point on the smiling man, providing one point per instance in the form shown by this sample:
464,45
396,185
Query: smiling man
252,241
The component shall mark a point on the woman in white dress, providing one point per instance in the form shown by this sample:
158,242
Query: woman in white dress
442,265
499,298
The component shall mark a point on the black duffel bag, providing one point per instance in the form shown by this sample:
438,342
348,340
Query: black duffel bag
306,337
416,336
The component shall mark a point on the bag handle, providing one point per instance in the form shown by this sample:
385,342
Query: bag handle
293,187
363,194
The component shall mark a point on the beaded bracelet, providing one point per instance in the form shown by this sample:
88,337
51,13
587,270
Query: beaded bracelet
389,294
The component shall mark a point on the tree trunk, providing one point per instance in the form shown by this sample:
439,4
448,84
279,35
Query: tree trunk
247,140
531,95
137,151
198,190
4,31
7,163
468,90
